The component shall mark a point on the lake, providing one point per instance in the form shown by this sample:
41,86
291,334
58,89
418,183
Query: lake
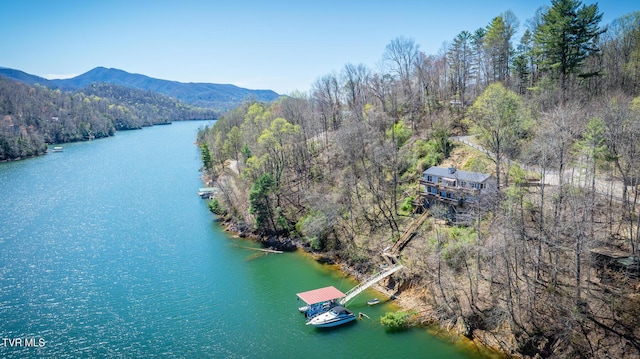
107,251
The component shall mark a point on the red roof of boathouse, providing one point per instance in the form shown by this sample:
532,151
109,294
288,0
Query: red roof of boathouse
320,295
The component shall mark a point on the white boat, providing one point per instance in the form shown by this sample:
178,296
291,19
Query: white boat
57,149
338,315
373,301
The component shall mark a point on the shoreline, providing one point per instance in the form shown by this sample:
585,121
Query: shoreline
404,299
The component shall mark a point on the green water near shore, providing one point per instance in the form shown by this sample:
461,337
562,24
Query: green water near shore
107,251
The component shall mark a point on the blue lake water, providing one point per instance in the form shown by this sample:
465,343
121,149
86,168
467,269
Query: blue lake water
107,251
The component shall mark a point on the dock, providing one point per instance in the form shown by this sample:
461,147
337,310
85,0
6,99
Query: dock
390,254
319,300
322,299
267,250
207,192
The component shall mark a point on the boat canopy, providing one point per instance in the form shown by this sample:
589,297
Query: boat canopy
339,309
320,295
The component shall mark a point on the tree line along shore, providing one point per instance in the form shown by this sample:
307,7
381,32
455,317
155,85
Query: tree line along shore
32,117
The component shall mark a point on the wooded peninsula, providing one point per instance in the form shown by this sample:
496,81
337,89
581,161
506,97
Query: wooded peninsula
502,173
34,116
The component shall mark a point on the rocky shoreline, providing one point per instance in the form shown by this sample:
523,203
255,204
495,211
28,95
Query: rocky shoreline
408,299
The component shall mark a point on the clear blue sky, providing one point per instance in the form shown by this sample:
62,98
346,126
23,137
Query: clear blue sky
278,45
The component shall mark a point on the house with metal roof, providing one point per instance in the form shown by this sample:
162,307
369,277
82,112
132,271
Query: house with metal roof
454,187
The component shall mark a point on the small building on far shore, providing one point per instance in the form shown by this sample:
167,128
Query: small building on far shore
207,192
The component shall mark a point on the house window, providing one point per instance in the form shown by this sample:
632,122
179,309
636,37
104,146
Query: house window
429,178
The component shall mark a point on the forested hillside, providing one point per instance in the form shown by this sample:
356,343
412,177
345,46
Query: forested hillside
32,116
220,97
557,115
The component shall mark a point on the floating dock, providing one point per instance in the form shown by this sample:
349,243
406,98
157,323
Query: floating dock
207,192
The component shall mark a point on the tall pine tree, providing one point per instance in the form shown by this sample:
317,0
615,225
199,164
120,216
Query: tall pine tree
566,37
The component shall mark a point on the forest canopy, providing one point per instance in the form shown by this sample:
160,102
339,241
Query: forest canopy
33,116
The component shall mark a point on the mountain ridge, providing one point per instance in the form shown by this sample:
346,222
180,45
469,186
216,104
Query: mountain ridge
210,95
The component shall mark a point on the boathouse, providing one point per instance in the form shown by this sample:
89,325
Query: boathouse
207,192
319,300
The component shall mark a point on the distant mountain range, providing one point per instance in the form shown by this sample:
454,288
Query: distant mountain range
221,97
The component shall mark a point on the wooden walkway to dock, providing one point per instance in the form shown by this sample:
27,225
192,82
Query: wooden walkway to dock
368,283
390,257
408,234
